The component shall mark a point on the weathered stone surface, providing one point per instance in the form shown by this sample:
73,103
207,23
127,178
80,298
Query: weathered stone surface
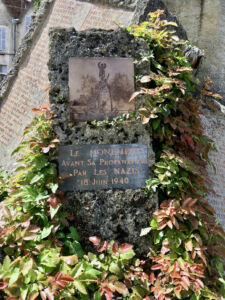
214,125
204,23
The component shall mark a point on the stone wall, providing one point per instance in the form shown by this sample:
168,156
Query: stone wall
204,22
214,126
111,214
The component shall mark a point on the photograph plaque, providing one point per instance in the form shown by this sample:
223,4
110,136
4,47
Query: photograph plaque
97,167
100,87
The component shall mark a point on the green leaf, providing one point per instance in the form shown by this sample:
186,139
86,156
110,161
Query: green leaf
54,187
75,248
114,268
128,255
77,270
24,291
53,211
6,263
97,296
80,286
84,297
36,178
154,223
222,280
46,232
74,234
15,276
219,267
139,291
145,231
156,123
158,66
91,271
27,267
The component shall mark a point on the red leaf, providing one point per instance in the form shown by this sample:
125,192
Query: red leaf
156,267
54,201
178,289
185,285
58,275
67,278
71,260
134,95
115,248
201,284
189,140
60,284
47,88
95,240
186,280
125,248
33,228
37,110
152,277
103,246
3,285
43,295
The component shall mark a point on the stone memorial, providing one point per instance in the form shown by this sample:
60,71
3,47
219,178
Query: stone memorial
103,168
100,88
97,167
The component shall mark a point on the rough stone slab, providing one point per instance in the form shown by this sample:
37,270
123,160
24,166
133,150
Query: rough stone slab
111,214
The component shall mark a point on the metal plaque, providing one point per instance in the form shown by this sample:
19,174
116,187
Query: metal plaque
97,167
100,87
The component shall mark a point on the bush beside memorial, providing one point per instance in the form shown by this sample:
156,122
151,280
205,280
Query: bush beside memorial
44,258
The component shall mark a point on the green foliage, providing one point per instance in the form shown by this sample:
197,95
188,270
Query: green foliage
4,179
117,120
37,4
188,245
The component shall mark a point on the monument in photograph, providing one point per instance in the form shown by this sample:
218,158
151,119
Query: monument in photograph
100,87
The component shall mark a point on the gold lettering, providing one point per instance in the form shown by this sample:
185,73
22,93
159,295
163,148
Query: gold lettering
77,172
116,171
100,172
74,153
65,163
99,182
91,162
